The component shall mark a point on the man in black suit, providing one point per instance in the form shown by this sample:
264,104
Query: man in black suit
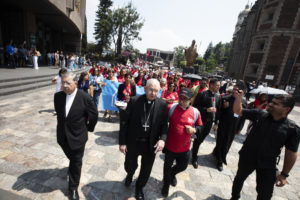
208,103
143,132
76,115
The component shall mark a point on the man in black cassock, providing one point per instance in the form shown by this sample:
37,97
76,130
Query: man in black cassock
229,125
143,132
208,103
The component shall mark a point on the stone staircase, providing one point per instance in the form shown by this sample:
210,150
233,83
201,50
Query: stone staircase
22,84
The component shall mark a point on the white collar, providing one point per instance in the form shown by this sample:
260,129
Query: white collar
73,94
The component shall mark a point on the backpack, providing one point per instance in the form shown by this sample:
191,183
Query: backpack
196,113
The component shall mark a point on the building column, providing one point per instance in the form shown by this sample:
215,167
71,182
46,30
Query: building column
30,28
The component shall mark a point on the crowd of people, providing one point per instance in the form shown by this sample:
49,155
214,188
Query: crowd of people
20,56
162,111
70,61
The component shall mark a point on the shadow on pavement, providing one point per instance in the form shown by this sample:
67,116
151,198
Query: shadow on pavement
181,194
46,111
108,190
207,160
214,197
107,138
43,181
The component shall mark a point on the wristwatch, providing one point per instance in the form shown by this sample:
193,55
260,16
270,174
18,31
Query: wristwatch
284,174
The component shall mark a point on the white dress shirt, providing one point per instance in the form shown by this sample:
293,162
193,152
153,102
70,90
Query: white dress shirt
69,101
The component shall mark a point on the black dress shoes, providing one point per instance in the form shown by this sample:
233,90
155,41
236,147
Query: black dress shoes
128,180
165,190
174,181
220,166
195,163
73,195
139,194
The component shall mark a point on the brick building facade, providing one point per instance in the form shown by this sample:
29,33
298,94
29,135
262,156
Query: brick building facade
267,47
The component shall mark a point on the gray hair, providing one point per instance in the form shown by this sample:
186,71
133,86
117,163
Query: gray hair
154,82
70,74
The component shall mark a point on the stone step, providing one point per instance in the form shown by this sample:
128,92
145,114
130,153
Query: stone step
38,76
13,86
19,82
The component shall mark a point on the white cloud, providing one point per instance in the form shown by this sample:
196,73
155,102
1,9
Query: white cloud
91,8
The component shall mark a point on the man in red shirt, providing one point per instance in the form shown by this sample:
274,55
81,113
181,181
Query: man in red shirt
183,122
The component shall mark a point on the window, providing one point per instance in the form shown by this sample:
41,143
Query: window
253,69
259,45
270,16
272,68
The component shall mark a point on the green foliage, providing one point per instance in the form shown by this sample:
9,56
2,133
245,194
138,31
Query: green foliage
200,61
211,63
179,56
182,63
215,56
91,47
126,24
208,51
103,25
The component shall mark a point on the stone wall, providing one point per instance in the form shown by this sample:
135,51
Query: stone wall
65,6
277,25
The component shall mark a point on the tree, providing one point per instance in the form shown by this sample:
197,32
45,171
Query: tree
208,51
219,51
126,24
179,55
103,25
216,55
211,63
200,61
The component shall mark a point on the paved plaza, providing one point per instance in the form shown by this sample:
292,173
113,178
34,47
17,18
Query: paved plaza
33,166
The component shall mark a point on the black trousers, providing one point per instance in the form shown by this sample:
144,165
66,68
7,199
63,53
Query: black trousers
131,163
182,160
224,141
265,179
122,117
207,124
11,61
75,157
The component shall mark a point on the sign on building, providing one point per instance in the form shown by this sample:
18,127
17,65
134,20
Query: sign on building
269,77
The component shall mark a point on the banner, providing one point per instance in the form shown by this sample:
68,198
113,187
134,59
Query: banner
109,95
139,90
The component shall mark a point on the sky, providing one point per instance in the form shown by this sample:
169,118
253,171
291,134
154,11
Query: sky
170,23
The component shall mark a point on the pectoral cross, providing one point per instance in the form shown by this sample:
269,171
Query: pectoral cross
146,126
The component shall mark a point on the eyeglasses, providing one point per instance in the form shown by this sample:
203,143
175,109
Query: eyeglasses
153,90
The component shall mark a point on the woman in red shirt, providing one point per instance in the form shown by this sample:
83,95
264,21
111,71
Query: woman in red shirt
170,95
121,77
261,102
125,91
140,80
